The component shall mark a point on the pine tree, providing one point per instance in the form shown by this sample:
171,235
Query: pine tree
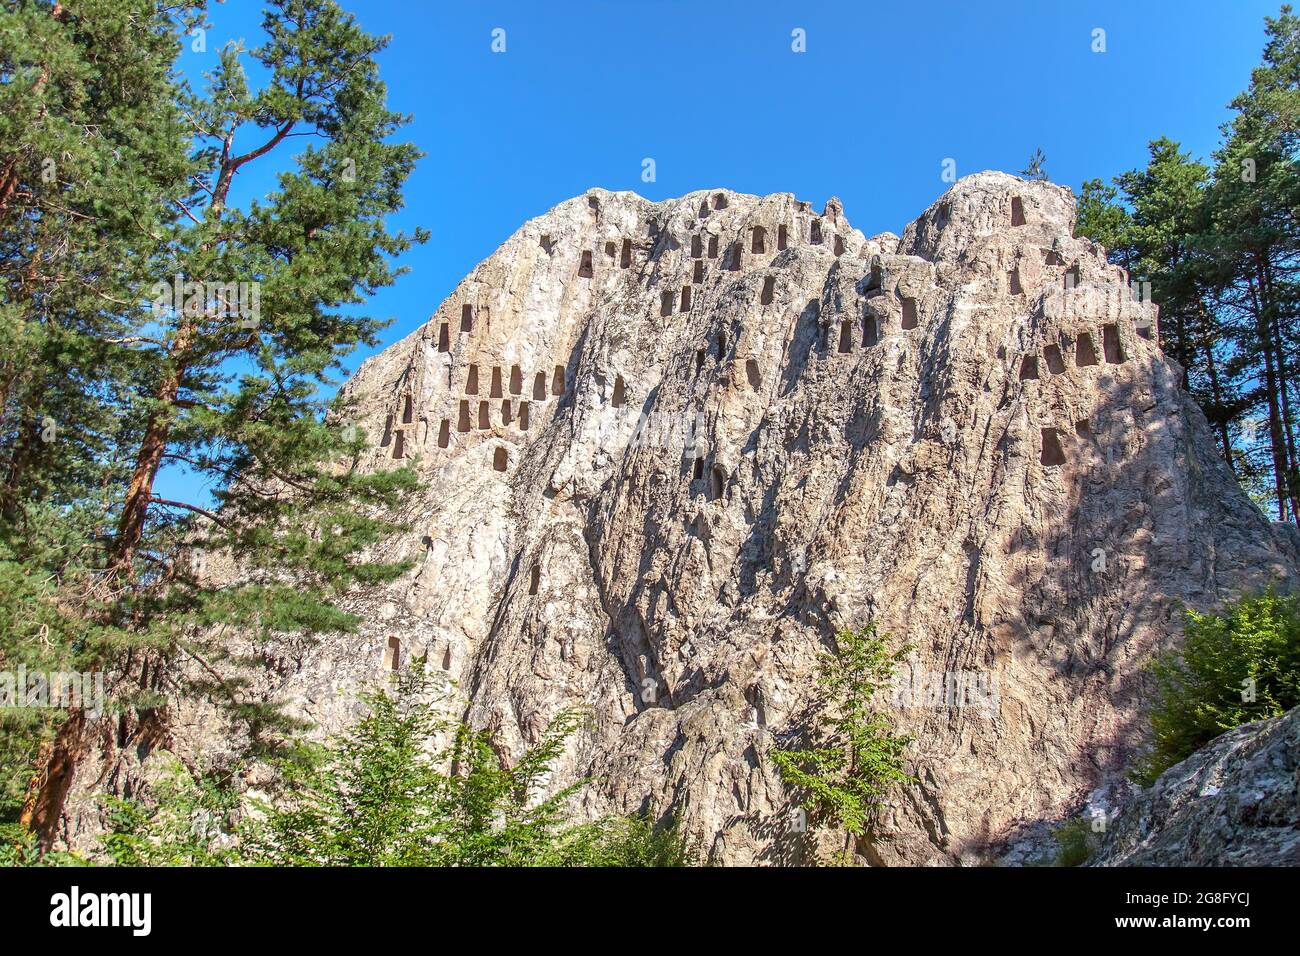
1221,248
1037,168
1250,246
90,151
851,757
214,332
1165,244
1101,217
1254,242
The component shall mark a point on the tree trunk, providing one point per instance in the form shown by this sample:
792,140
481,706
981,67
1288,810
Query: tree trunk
1185,352
48,790
135,509
1264,341
1288,432
1277,442
1216,392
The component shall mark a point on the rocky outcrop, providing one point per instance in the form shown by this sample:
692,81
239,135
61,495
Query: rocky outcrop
670,448
1235,802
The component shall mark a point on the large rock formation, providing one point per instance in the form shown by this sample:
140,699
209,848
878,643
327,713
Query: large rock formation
1235,802
670,448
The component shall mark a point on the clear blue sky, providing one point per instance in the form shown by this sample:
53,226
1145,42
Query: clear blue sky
712,91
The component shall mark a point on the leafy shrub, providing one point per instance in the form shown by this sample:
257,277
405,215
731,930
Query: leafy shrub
626,841
1075,842
1237,666
381,796
190,825
18,847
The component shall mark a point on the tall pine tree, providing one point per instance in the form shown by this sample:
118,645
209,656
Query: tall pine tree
1221,249
214,331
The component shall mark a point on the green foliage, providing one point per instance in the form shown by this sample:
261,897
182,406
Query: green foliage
43,630
117,176
18,847
1037,168
381,795
380,798
1236,666
852,758
91,152
1100,217
1075,842
192,825
625,841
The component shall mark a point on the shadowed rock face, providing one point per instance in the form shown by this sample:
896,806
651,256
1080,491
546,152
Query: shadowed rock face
749,426
1235,802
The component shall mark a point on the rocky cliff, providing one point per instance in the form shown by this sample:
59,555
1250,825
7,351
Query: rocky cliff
670,448
1235,802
